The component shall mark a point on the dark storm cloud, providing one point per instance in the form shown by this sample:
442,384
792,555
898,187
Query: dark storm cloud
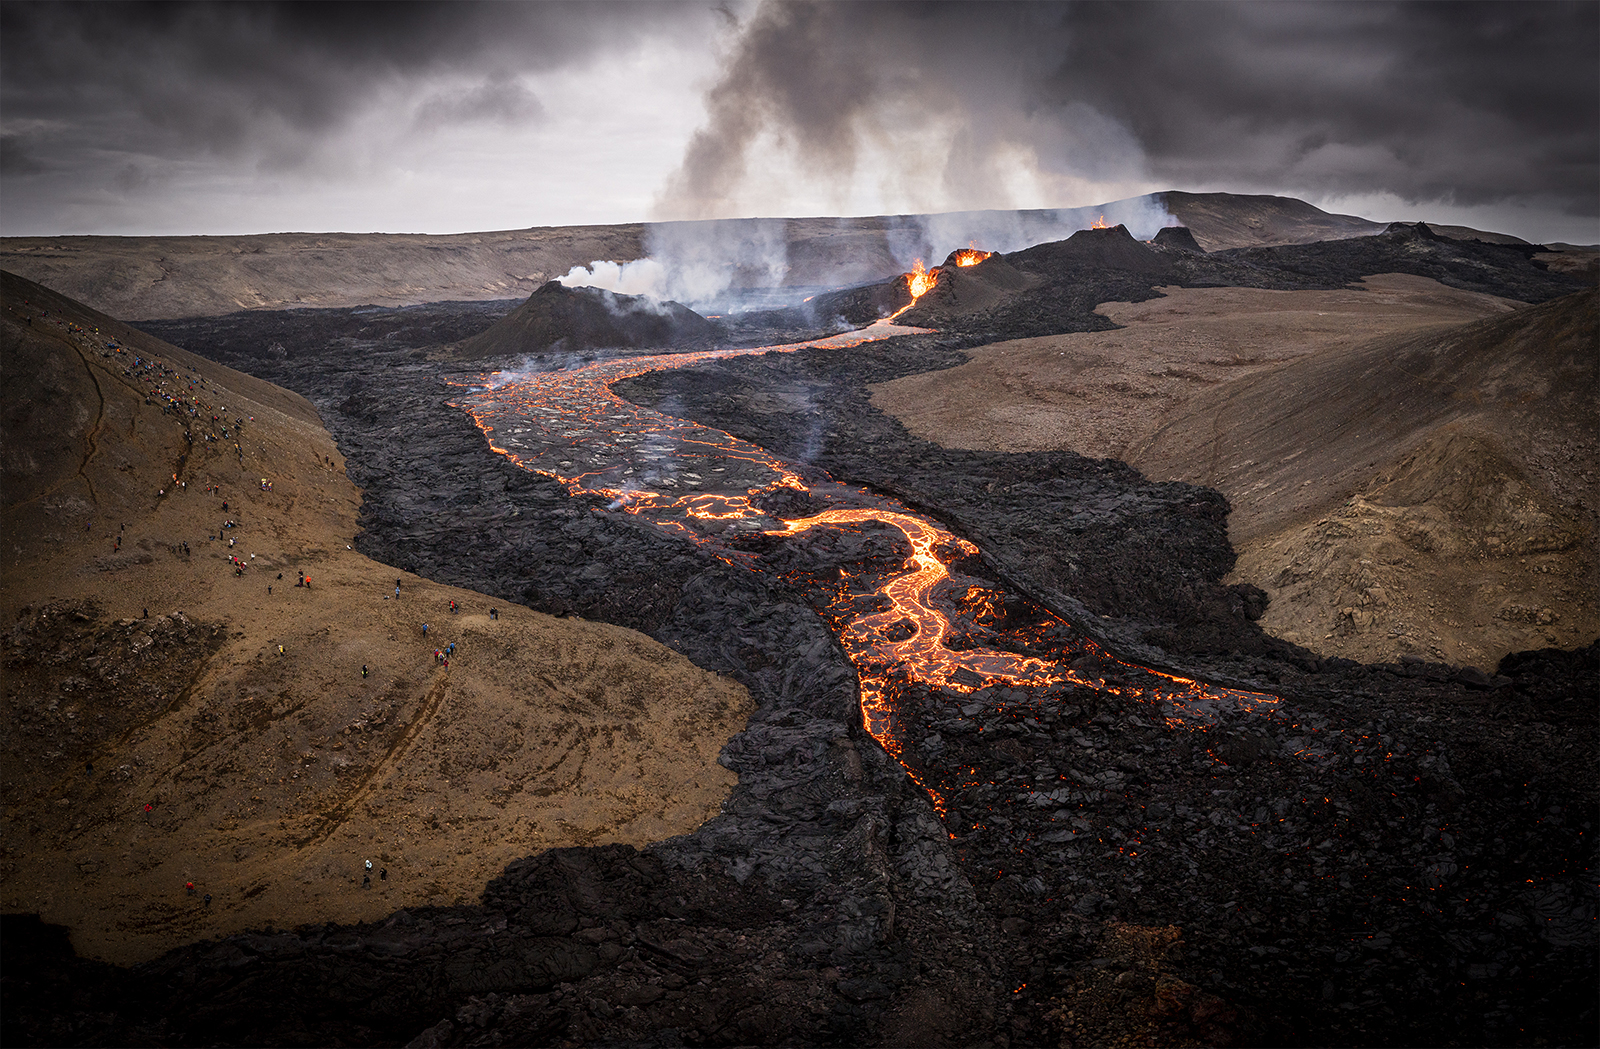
107,109
1467,103
1460,103
177,79
498,99
15,158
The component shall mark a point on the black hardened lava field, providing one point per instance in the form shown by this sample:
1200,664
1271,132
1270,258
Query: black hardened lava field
1022,770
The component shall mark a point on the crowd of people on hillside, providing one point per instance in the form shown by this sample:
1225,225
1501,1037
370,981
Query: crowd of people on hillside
182,393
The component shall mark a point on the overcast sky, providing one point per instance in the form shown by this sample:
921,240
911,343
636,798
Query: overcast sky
245,118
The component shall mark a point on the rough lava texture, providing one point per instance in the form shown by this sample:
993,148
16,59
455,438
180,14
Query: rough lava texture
1069,279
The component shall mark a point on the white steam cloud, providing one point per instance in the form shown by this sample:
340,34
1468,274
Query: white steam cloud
640,277
726,263
696,263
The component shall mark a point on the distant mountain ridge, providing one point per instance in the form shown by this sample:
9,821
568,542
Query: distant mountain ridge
144,278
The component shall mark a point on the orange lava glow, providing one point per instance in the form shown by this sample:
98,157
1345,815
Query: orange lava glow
971,256
919,282
1099,223
897,623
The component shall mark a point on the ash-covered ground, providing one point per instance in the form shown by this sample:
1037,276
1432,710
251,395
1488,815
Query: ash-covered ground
1399,854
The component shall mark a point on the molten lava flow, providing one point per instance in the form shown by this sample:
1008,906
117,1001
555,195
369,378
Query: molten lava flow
971,256
1099,223
909,622
919,281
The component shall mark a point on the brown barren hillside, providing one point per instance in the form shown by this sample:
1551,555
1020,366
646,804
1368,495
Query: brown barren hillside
177,710
1431,492
1266,395
1234,220
144,278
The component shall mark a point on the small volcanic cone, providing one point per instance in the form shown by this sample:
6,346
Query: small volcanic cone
964,258
966,288
870,302
1111,248
562,318
1404,231
1178,238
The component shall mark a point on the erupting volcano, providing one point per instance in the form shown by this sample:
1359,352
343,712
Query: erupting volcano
912,615
866,724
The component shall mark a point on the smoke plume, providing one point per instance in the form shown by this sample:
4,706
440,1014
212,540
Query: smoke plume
934,105
696,263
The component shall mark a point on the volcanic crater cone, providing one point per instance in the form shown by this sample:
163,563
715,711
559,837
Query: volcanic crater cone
1005,290
560,318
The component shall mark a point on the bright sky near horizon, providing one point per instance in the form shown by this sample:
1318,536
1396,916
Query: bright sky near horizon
435,118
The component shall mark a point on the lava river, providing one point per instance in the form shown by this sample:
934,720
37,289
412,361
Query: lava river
904,611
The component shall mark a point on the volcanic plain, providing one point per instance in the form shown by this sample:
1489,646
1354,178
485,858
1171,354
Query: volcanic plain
1382,836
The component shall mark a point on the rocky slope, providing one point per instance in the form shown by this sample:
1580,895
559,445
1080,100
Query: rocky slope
137,278
178,710
1427,493
1310,398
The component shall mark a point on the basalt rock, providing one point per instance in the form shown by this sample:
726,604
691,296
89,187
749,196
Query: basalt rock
558,318
1177,238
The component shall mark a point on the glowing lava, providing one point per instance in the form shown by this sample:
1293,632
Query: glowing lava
921,624
919,282
1099,223
971,256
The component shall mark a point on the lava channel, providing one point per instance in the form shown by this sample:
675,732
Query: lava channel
706,485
